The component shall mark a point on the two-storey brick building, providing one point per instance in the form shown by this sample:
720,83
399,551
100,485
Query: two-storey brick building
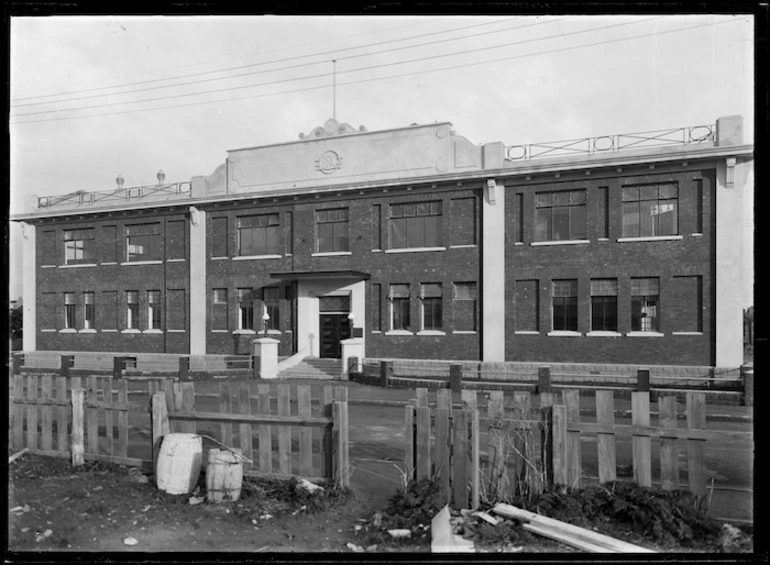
618,249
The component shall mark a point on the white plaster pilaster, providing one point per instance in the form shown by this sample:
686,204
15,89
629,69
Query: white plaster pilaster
197,298
493,272
29,286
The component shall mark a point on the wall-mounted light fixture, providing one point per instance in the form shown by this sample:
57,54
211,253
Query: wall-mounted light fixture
119,181
161,176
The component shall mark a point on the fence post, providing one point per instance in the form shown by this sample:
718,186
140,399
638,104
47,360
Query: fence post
386,371
747,372
78,435
160,426
546,416
255,362
184,369
67,361
643,380
18,363
558,421
340,423
456,378
118,364
543,379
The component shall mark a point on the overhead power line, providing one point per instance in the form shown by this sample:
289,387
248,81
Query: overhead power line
370,67
364,80
239,67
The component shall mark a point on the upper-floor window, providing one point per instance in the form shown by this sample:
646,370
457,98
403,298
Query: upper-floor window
645,298
258,235
143,242
430,297
565,307
271,296
332,230
415,224
560,215
650,210
604,305
79,246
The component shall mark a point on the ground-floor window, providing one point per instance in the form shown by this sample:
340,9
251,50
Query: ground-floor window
271,295
604,305
399,306
90,310
219,310
245,309
464,307
132,309
430,296
154,310
645,298
69,310
565,310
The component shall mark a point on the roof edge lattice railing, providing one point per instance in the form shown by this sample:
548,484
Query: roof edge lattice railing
86,199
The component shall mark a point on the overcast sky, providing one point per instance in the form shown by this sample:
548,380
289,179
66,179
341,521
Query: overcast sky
94,97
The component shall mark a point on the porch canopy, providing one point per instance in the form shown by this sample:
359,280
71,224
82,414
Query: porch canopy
310,275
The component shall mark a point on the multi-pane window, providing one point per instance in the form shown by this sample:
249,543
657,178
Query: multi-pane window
219,310
399,306
79,246
143,242
154,310
376,307
430,297
245,309
332,230
464,307
132,309
415,224
90,311
258,235
69,310
560,215
271,295
564,302
650,210
604,305
645,300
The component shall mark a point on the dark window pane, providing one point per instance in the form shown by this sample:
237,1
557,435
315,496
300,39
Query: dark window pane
398,233
433,231
415,234
630,219
543,224
560,224
577,222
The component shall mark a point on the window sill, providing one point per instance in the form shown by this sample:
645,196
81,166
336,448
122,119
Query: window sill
376,250
376,331
109,331
219,331
87,331
272,332
563,333
519,243
330,253
256,257
431,332
645,334
48,331
415,249
175,260
68,331
220,258
48,267
465,332
651,238
399,332
603,239
561,242
244,332
696,234
155,262
110,263
77,265
464,246
130,331
686,333
604,334
152,331
526,332
176,331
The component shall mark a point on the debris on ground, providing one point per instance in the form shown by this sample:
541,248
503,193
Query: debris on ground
308,486
41,536
400,533
733,540
130,541
355,548
136,476
15,456
196,500
443,539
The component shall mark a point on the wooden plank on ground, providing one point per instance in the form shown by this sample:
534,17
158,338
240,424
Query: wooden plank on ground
574,456
422,453
226,407
441,459
696,448
122,419
46,417
304,408
245,432
92,416
264,430
640,445
108,419
284,432
460,458
32,412
669,456
62,435
605,443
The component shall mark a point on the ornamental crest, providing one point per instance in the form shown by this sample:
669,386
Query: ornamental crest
328,162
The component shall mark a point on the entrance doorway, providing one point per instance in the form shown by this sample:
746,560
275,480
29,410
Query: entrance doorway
333,324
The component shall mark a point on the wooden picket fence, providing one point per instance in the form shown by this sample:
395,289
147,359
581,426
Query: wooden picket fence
87,418
533,442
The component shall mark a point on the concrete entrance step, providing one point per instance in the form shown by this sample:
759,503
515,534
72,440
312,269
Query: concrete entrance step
313,367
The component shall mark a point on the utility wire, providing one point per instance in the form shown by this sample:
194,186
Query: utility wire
332,52
322,75
421,72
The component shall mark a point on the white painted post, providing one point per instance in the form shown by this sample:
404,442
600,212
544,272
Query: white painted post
352,347
266,349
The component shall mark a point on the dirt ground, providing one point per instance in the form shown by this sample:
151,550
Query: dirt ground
102,507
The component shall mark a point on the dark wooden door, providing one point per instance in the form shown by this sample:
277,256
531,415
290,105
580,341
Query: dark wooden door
334,328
